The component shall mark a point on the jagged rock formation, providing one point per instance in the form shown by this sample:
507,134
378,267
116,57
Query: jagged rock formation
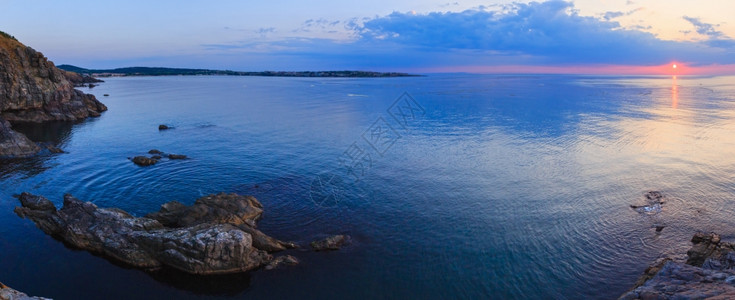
216,235
709,273
7,293
80,80
14,144
32,89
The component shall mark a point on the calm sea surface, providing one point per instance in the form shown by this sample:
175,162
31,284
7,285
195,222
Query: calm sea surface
466,186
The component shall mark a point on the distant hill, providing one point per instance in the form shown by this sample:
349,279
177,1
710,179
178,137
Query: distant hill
147,71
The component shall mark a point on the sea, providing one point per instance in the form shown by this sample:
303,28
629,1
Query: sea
451,186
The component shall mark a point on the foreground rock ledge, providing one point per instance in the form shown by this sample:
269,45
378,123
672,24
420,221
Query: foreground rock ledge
7,293
709,273
216,235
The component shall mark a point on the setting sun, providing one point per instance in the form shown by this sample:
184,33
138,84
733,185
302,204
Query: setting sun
674,66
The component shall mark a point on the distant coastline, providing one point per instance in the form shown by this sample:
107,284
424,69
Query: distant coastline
148,71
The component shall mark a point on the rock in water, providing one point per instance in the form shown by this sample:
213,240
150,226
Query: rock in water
241,211
330,243
7,293
177,156
680,281
15,144
286,260
144,161
654,201
163,127
51,148
708,272
205,238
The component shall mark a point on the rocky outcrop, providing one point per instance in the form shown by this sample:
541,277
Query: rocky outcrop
32,89
282,261
241,211
144,161
334,242
156,155
7,293
15,144
709,272
216,235
80,80
682,281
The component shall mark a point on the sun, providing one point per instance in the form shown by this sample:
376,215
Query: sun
674,66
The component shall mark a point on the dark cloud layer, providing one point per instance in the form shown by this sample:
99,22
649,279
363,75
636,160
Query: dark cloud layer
536,33
551,31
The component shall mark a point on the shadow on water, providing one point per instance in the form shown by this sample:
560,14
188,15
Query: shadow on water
57,133
54,133
210,285
27,167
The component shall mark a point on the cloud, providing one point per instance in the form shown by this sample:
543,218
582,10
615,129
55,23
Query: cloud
715,38
616,14
704,28
551,32
612,15
263,32
546,33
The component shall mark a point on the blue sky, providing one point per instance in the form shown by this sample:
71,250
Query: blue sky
401,35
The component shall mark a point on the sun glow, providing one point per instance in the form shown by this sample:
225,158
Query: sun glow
674,66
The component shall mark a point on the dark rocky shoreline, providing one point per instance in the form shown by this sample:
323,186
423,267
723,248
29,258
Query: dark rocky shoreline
708,273
32,89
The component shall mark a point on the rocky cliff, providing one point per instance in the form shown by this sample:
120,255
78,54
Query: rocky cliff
32,89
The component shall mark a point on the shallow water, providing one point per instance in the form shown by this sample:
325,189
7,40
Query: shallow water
495,187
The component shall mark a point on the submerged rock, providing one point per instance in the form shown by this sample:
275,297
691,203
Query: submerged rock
7,293
286,260
163,127
51,148
654,201
155,151
216,235
177,156
334,242
144,161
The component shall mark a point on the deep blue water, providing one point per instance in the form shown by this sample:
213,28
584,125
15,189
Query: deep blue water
507,187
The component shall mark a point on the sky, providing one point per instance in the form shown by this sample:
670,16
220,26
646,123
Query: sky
495,36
